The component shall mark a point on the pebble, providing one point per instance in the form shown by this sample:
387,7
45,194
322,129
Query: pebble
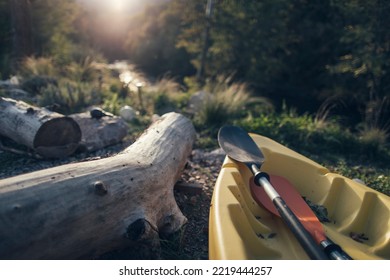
193,200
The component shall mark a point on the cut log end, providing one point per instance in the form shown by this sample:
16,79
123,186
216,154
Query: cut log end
57,138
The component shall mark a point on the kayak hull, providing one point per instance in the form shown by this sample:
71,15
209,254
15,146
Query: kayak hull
240,228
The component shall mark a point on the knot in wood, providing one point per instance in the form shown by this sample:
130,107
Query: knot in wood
30,111
136,229
100,188
141,230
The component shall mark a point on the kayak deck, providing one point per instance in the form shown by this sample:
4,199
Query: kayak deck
239,228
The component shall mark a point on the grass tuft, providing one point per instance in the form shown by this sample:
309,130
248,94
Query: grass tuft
41,66
227,101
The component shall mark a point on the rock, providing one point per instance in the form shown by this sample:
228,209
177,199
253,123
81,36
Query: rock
14,81
155,117
359,181
217,154
193,200
127,113
12,89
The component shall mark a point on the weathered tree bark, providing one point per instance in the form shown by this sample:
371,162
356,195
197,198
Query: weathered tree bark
99,133
50,134
84,209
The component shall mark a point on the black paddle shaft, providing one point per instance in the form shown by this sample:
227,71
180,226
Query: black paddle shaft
293,223
299,231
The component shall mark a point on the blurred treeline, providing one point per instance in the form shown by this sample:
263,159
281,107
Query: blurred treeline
331,55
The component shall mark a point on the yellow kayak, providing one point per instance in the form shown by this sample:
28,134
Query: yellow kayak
357,217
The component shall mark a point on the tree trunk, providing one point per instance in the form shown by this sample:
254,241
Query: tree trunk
50,134
82,210
21,23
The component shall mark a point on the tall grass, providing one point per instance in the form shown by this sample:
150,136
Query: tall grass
164,96
324,112
71,87
226,102
373,137
376,112
374,131
68,97
84,71
38,66
300,132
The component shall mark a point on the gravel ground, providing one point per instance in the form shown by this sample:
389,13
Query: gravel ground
202,169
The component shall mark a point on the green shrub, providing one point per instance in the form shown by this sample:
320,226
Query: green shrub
35,84
112,104
163,104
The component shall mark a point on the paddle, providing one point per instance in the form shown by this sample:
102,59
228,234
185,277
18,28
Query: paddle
239,146
301,210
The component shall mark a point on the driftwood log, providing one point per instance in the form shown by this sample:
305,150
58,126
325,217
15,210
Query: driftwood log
82,210
49,134
99,133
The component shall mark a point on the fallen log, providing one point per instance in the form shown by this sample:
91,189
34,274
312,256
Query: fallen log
49,134
82,210
99,133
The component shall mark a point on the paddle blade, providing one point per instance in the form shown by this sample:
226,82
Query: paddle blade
238,145
295,202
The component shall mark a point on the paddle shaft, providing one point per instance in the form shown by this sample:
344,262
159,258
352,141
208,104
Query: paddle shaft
302,235
334,251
